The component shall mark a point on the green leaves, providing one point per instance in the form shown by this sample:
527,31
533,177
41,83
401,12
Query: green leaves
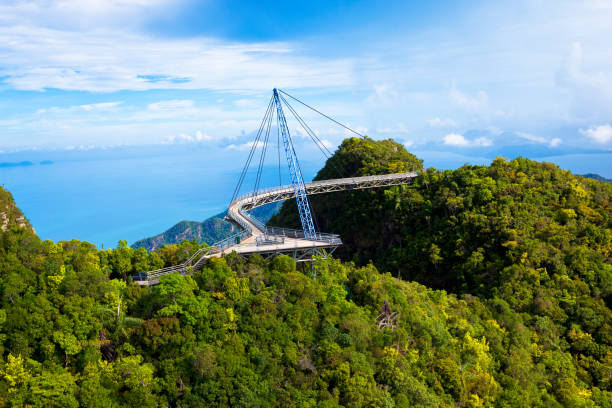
522,248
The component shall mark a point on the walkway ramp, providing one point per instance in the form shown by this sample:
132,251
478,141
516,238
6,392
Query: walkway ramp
256,238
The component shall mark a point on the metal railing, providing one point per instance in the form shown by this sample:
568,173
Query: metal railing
194,259
287,232
299,234
276,235
267,239
362,180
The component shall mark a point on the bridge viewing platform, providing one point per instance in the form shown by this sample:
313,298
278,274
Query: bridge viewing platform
256,237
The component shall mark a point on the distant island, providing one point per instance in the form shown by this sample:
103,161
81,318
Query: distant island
597,177
24,163
17,164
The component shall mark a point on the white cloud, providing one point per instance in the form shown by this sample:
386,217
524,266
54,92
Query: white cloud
554,142
601,134
245,146
408,143
475,103
442,123
100,106
185,138
202,137
80,147
171,105
500,63
455,139
103,106
329,145
37,58
78,13
482,141
530,137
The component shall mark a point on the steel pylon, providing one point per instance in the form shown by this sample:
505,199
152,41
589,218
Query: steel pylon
296,174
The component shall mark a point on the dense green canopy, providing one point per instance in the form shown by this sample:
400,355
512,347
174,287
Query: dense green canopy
510,307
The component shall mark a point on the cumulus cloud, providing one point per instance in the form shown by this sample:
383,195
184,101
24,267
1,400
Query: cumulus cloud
455,139
555,142
600,134
184,138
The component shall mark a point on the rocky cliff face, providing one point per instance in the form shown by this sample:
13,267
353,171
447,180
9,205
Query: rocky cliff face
10,216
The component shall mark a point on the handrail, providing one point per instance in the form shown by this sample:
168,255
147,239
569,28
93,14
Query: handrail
332,182
287,232
248,222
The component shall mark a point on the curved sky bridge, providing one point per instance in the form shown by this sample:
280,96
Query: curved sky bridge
254,236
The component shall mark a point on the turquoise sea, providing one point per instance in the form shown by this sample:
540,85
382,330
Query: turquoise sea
102,196
130,193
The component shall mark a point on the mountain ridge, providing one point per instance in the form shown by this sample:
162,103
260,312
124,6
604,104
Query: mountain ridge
209,231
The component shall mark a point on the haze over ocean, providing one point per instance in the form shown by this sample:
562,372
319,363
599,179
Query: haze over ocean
103,196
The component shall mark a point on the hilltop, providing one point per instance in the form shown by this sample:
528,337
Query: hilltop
481,286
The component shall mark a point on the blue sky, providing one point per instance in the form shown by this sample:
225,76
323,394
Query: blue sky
475,79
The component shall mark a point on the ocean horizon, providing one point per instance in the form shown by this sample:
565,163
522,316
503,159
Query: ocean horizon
103,196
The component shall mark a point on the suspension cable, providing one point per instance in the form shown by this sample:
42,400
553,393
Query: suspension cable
252,152
321,113
314,219
308,130
341,171
262,158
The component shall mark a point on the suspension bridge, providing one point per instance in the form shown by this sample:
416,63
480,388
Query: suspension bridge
254,237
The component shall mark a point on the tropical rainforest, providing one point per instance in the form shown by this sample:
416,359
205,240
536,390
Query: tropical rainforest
476,287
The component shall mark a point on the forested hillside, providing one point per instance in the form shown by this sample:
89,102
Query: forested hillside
209,231
511,307
518,234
